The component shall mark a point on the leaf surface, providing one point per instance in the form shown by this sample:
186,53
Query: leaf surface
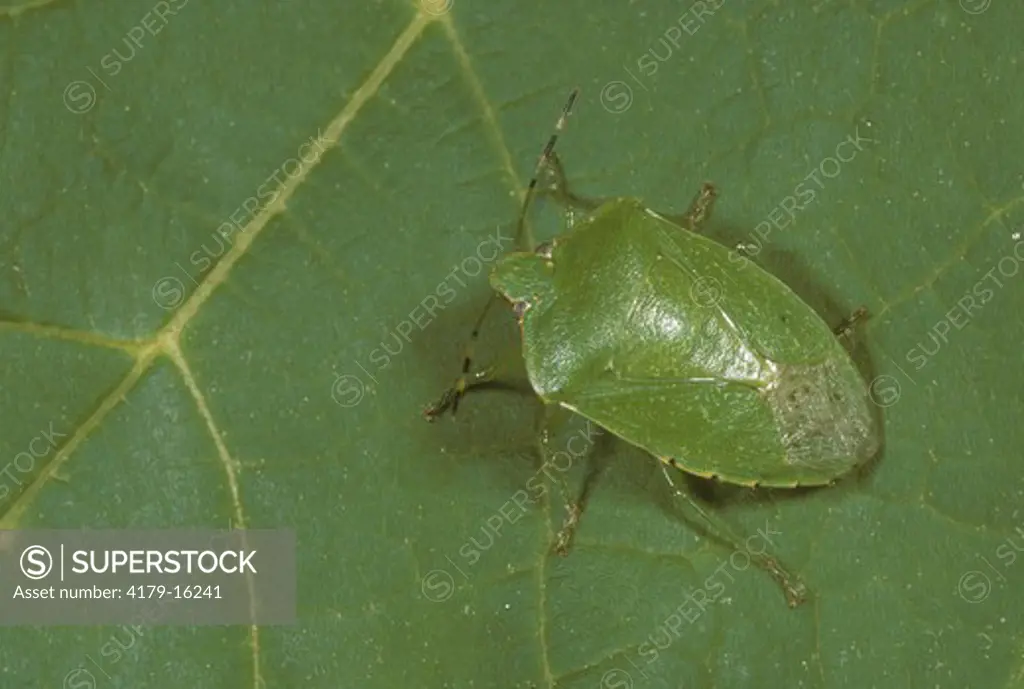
275,377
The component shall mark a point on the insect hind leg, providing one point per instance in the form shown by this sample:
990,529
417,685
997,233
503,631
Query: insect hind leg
794,589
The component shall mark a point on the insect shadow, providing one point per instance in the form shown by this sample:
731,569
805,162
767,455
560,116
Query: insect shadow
506,449
520,409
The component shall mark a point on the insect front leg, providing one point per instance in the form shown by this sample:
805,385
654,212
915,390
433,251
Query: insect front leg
450,398
559,188
700,209
495,375
794,589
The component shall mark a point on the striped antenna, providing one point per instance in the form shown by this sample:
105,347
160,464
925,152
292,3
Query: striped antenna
542,161
453,395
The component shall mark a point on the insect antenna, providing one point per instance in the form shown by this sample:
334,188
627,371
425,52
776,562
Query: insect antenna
542,162
520,226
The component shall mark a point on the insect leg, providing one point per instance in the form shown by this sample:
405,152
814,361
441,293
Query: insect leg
747,250
848,324
559,189
554,417
495,376
474,336
450,398
563,540
700,208
794,589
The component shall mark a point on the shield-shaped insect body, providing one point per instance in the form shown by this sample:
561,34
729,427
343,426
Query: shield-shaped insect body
657,334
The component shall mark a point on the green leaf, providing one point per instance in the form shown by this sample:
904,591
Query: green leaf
256,389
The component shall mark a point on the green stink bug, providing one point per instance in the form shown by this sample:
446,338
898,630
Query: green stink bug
654,332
